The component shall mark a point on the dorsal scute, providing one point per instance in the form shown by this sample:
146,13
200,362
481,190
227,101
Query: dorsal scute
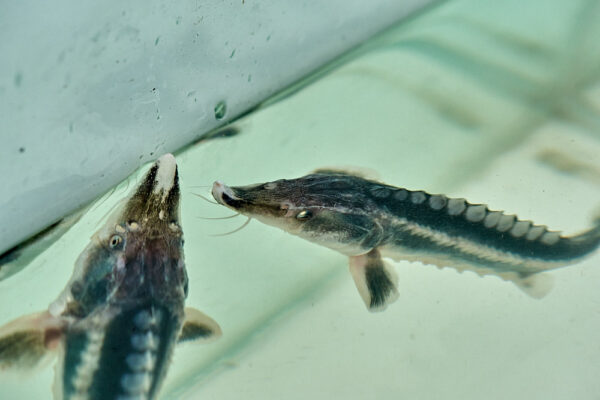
508,224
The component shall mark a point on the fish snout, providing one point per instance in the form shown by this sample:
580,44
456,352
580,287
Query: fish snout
166,178
161,181
224,195
156,199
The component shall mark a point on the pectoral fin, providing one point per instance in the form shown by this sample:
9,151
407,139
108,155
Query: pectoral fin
198,326
375,280
26,341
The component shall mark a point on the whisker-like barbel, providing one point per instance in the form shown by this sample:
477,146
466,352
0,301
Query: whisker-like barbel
205,198
235,230
228,217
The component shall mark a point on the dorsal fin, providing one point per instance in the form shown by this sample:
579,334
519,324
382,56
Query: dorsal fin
361,172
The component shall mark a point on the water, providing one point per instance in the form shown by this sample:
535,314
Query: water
496,103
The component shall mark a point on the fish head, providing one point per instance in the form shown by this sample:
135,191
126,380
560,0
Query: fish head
137,254
326,207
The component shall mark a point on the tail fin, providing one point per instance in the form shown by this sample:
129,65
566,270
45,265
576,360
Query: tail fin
375,280
537,285
586,242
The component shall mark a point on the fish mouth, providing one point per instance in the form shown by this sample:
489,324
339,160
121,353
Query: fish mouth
251,201
156,199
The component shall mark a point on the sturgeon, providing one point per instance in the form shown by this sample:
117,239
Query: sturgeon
115,325
367,220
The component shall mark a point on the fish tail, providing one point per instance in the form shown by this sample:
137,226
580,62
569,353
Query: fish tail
586,242
538,284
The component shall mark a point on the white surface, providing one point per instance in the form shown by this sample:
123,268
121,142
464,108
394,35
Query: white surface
90,91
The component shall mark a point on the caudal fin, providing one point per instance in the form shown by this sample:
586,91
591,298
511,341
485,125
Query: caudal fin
374,279
585,243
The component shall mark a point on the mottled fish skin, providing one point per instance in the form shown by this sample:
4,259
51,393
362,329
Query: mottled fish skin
119,317
122,357
355,216
126,298
116,323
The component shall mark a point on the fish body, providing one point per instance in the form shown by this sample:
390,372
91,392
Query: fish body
367,220
116,323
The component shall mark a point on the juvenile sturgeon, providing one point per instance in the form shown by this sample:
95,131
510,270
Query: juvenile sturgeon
367,220
116,323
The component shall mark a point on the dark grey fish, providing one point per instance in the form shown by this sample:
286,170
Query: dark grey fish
116,323
366,220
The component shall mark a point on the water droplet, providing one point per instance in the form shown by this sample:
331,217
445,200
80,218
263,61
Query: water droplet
220,110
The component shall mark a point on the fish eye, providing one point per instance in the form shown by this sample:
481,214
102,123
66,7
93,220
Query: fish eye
115,241
303,215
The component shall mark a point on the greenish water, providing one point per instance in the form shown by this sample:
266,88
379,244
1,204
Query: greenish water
495,102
